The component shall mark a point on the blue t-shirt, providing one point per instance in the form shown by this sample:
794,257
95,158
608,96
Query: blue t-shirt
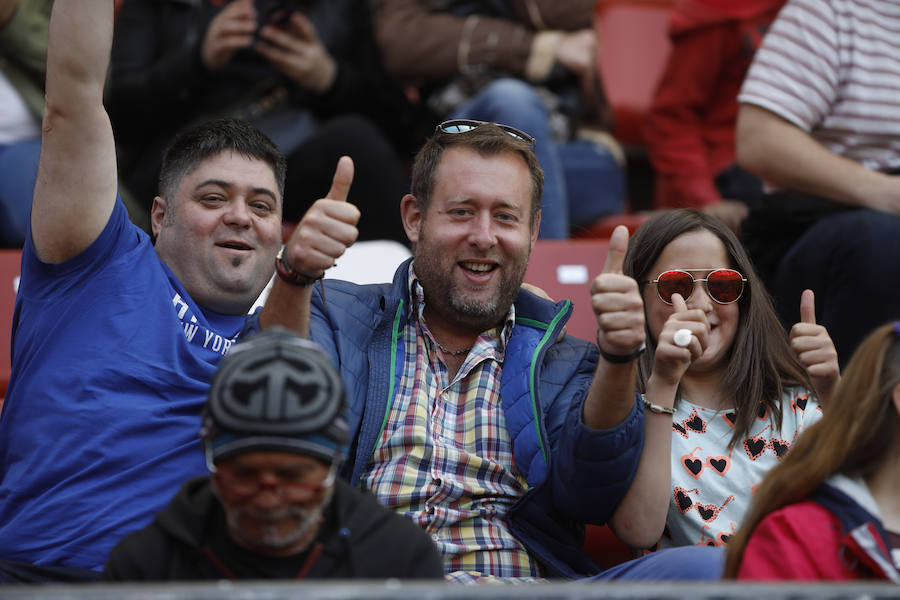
111,363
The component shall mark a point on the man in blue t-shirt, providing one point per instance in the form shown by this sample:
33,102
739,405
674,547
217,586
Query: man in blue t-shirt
115,337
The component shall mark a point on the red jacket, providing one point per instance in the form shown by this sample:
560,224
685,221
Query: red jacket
690,129
828,537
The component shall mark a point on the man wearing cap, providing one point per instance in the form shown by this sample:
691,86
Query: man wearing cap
274,433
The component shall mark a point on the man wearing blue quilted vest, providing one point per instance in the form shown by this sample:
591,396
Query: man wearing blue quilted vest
470,413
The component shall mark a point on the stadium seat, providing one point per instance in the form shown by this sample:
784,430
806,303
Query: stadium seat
602,545
564,269
9,282
604,227
633,46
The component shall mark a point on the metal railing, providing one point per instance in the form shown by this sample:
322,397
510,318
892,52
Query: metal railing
395,590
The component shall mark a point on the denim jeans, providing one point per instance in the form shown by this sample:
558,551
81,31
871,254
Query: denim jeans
684,563
851,261
18,172
582,180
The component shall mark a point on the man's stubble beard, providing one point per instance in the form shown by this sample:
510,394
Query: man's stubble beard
443,295
271,540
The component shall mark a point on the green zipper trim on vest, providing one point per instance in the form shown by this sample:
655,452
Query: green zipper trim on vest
532,323
531,380
395,333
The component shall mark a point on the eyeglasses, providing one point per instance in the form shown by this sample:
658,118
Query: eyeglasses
724,286
289,483
466,125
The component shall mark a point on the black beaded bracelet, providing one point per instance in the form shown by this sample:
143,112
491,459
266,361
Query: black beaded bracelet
620,358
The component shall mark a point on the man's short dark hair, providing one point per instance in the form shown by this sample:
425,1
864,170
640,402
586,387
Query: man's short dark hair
191,147
487,140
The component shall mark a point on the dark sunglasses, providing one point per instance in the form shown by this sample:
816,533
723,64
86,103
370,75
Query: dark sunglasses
465,125
724,286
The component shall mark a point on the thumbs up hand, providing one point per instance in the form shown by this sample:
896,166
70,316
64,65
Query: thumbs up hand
617,303
673,356
327,229
814,349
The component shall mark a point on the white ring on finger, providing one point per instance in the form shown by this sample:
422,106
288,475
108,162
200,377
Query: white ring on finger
682,337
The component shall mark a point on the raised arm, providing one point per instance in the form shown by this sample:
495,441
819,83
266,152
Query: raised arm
326,230
640,518
76,184
786,156
619,309
446,44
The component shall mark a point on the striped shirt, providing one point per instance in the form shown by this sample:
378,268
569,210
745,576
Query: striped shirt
832,68
445,459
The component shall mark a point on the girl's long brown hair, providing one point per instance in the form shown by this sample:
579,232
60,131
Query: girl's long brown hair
760,361
854,437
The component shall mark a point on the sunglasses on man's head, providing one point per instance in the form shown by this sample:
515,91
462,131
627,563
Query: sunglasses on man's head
724,286
466,125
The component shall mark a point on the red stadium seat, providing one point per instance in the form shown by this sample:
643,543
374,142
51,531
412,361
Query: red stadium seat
601,544
604,227
633,46
9,281
565,269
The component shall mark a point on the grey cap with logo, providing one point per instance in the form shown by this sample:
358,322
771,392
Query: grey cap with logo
276,392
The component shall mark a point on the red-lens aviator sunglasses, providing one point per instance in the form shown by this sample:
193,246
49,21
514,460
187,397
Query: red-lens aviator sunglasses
724,286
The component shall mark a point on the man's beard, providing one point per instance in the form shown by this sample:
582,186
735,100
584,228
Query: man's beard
443,295
270,537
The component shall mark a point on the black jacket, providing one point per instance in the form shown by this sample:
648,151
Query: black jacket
158,85
360,539
158,82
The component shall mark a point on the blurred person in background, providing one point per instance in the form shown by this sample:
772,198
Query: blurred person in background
305,72
23,61
831,510
690,129
819,122
530,64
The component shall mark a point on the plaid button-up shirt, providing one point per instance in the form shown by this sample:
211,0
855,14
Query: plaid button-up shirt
445,459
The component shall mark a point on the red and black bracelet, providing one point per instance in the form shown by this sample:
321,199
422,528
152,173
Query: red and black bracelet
287,273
